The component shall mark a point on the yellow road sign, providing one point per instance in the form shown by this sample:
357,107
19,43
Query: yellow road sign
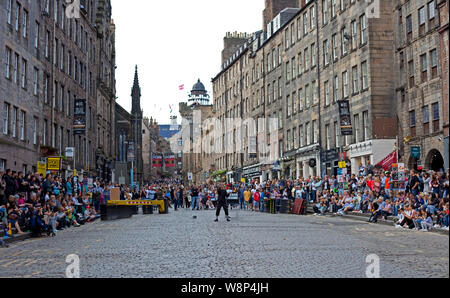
54,163
42,168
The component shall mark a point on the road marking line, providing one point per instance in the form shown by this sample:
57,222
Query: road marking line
17,253
55,264
35,273
31,262
22,262
10,263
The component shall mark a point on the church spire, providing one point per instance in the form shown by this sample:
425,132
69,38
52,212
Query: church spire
136,93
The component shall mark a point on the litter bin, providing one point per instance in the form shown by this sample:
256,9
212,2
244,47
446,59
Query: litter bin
266,205
147,209
272,206
166,207
284,206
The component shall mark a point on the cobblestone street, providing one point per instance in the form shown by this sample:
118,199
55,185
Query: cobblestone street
253,245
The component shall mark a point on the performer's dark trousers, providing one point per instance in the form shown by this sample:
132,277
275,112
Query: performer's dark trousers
221,205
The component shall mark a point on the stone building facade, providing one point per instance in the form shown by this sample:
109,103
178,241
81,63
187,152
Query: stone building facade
150,140
324,52
49,61
197,163
444,36
129,138
419,83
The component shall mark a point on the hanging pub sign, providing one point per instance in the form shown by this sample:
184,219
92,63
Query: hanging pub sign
169,161
344,118
157,160
415,152
79,117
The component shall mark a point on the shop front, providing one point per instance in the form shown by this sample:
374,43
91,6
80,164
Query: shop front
330,160
372,151
289,166
308,162
252,173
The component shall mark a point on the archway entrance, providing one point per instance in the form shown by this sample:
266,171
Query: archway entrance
435,161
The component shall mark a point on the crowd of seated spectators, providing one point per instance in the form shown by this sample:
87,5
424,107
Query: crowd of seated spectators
423,205
44,206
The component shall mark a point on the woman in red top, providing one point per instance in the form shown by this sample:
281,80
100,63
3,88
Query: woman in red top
256,198
370,183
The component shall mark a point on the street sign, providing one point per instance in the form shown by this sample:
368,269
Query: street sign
190,176
419,165
54,164
70,151
42,168
130,153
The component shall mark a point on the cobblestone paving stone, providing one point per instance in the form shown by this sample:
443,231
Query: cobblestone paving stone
253,245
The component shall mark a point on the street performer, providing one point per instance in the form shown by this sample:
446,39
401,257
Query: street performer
222,195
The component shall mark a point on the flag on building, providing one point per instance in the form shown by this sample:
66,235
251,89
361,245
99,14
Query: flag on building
387,163
157,160
169,161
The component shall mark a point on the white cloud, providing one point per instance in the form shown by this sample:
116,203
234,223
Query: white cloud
173,43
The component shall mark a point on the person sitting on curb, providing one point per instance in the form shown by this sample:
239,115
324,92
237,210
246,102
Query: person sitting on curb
407,221
376,210
348,205
418,218
427,223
